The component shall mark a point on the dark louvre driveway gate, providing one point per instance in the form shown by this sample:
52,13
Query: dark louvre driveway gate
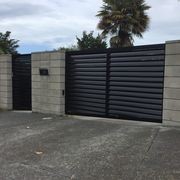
125,83
21,67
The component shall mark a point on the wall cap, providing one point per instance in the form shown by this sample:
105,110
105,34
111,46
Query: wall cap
39,52
172,41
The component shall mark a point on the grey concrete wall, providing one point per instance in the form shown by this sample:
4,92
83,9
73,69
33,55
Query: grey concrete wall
6,82
47,91
171,106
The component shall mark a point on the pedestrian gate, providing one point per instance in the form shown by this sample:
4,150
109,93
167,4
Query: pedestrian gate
21,68
122,83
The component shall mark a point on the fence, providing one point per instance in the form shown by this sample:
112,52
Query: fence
127,83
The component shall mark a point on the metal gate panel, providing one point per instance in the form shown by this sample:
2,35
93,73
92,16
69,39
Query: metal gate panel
86,84
124,83
21,68
140,92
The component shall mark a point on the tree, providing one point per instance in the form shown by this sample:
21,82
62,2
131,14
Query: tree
88,41
122,20
70,48
8,45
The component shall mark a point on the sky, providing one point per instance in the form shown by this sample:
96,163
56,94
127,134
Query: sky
43,25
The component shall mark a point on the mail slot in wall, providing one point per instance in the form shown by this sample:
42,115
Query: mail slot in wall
43,72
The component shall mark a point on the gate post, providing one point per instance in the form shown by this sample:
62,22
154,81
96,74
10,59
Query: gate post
6,82
48,79
171,105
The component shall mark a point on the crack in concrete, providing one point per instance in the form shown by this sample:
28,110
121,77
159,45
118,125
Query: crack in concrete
146,153
152,141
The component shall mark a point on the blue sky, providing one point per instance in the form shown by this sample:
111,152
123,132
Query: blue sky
48,24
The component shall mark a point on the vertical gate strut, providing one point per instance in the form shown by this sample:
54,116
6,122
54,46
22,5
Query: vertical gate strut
107,82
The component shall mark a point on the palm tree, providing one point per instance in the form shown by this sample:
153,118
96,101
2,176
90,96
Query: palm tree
122,20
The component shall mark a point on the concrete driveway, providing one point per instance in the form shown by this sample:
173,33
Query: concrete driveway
33,148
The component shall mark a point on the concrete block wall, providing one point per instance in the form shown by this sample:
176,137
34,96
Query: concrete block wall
6,82
171,106
48,91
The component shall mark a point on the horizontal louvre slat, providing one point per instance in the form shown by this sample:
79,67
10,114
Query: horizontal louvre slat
137,89
137,74
136,104
138,64
138,53
137,59
93,78
96,60
91,104
87,74
137,69
84,86
86,99
135,99
137,84
92,69
133,115
88,108
84,56
136,79
88,82
97,96
85,112
135,109
87,65
88,91
136,94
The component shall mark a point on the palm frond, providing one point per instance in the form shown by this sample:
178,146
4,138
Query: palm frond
123,19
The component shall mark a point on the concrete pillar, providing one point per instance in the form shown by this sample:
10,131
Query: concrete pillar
171,106
48,91
6,82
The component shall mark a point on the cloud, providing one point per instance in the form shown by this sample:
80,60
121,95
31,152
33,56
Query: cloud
56,23
165,22
9,10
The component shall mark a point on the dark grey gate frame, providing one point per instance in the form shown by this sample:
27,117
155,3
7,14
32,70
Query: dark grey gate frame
108,52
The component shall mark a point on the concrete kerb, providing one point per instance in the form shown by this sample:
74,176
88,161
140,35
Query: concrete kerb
125,121
117,121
